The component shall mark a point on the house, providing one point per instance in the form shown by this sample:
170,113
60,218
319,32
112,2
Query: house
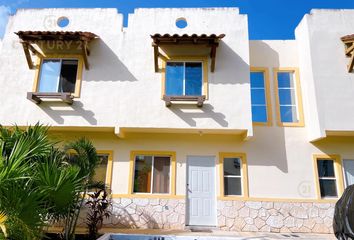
195,124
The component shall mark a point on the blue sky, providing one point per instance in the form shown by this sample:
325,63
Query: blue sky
268,19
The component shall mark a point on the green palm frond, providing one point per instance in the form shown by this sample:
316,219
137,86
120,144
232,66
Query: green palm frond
85,156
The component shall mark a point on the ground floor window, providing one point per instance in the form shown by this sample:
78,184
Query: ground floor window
103,171
329,176
152,174
233,172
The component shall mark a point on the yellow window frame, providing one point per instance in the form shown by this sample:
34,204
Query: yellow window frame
78,83
299,105
172,156
244,176
265,72
109,169
203,59
337,161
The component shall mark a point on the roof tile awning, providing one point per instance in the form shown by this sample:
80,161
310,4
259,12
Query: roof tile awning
348,41
31,37
205,40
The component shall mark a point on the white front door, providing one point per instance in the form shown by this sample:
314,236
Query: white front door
349,172
201,198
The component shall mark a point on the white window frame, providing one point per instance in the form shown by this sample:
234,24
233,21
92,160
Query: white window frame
152,175
184,73
233,176
61,64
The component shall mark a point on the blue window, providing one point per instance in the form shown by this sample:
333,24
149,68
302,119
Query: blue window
287,97
184,78
258,98
58,75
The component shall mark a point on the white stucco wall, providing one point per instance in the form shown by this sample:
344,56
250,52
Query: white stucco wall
329,87
121,88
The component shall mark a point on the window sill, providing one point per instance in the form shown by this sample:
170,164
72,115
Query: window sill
38,97
198,99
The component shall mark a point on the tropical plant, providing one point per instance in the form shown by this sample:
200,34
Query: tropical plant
81,153
41,184
3,219
98,205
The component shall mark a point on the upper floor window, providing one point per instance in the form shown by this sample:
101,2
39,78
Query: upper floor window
59,75
184,78
260,96
288,97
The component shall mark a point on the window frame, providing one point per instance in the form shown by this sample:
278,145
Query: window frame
299,104
337,165
109,170
244,175
78,83
184,59
170,154
265,72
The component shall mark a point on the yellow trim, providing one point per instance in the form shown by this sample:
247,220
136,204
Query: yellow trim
245,191
160,196
109,170
203,59
265,72
76,94
299,105
288,200
133,154
337,161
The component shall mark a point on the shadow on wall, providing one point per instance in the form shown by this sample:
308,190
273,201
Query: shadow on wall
272,152
227,67
57,111
190,112
105,65
227,71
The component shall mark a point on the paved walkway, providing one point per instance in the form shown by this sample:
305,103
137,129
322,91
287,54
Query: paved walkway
223,235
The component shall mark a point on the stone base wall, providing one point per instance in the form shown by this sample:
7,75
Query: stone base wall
246,216
147,213
275,217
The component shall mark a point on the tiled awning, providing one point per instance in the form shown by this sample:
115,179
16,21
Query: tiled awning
348,41
203,40
31,37
59,35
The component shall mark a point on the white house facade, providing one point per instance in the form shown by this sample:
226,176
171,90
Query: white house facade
195,124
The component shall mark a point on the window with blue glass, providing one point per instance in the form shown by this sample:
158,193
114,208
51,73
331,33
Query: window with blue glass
184,78
287,97
58,75
258,98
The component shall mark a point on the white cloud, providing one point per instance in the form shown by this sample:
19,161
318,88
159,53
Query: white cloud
4,16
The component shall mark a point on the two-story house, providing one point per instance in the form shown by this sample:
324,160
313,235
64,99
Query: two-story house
195,124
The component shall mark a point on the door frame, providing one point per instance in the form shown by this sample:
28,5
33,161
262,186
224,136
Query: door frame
215,191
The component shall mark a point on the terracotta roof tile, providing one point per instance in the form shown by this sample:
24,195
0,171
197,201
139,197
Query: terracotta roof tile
55,35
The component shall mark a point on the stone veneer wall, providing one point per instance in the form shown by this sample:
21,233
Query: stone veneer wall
246,216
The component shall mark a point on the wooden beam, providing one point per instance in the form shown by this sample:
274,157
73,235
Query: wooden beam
28,55
349,49
213,56
156,56
351,63
35,51
85,54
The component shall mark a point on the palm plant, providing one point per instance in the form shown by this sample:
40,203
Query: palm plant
39,184
81,153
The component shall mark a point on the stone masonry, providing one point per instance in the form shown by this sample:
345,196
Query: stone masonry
245,216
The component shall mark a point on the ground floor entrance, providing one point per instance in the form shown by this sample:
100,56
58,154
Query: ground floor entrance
201,193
